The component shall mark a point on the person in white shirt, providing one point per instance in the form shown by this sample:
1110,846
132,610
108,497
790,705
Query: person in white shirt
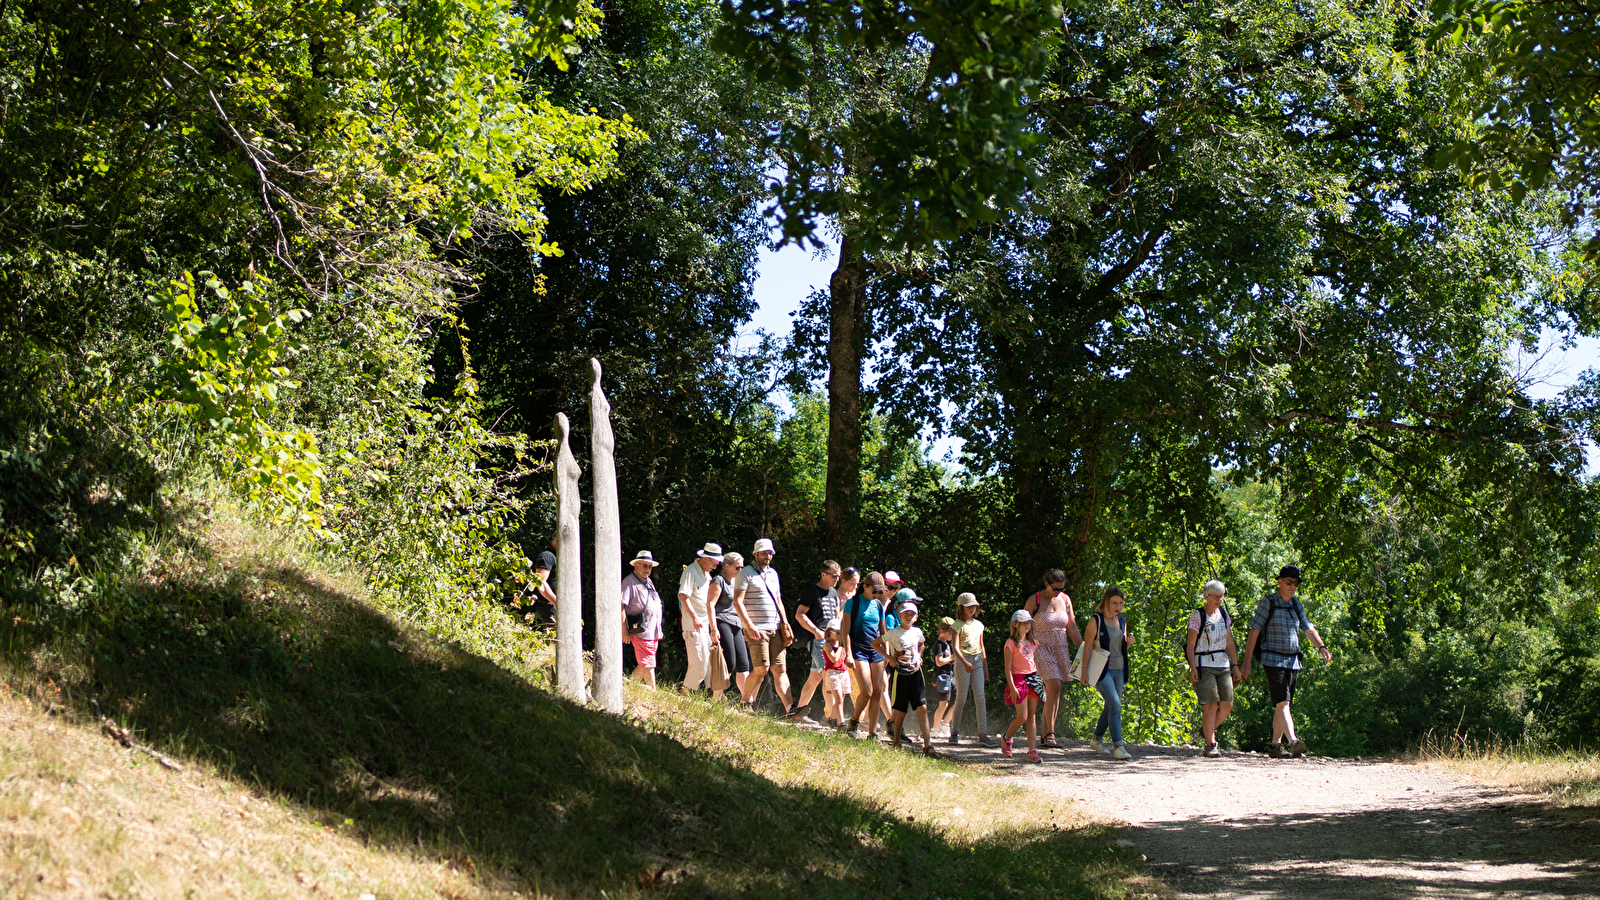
903,646
699,636
1213,662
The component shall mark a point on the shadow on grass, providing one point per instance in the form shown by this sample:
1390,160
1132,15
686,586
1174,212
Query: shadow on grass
415,745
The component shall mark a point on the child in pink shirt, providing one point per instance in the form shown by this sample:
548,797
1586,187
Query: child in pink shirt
1024,690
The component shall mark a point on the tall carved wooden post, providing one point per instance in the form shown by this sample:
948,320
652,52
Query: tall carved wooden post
569,569
607,550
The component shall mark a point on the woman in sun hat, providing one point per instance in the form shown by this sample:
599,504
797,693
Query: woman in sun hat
641,616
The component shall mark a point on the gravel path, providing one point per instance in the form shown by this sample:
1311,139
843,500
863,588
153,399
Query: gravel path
1245,826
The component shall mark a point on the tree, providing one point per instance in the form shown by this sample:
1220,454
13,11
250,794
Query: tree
1237,256
1539,124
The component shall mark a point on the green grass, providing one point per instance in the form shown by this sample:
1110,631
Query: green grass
230,649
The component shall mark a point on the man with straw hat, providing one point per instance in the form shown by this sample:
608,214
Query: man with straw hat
699,637
641,616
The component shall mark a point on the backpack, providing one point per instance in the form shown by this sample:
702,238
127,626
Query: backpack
1272,608
1227,622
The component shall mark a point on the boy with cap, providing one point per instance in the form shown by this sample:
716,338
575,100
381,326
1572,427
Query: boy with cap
903,646
1276,628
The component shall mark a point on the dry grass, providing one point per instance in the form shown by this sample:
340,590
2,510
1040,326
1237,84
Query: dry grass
84,817
1562,777
332,750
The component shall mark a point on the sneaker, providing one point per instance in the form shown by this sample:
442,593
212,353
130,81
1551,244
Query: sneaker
1005,746
987,741
1297,749
1121,753
1212,750
1096,746
1275,750
1033,756
953,740
855,728
805,720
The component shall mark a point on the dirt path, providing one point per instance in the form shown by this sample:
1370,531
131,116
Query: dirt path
1246,826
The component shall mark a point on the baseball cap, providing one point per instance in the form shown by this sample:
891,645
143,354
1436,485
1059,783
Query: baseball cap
1021,615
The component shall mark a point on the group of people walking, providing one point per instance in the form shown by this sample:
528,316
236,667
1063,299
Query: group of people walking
865,644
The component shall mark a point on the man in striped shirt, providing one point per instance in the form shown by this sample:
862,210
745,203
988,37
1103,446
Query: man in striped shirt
759,599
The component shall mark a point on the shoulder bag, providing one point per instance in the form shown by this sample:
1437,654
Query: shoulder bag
784,631
1097,655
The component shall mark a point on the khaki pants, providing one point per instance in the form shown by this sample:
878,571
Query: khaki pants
698,643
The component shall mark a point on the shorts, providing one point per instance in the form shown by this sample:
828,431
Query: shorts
644,651
908,690
817,662
1215,686
1280,683
864,653
1027,684
836,680
766,651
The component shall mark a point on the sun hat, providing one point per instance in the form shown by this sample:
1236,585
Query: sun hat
713,551
966,598
947,623
645,557
1289,572
892,577
764,544
1021,615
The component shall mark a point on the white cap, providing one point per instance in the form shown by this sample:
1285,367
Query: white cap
1021,615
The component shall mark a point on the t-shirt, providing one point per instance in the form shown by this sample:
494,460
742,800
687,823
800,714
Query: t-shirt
1022,657
1211,643
866,621
906,646
833,665
761,592
725,611
971,637
547,562
694,583
1116,633
942,648
819,604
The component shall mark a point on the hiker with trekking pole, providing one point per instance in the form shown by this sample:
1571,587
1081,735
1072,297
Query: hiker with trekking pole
1275,640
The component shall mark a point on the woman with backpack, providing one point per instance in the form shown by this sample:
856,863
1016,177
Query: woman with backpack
1108,631
1213,661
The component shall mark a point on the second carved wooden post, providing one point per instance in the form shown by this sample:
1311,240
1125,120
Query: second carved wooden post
608,634
569,570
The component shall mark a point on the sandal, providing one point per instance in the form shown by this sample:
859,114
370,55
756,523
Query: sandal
931,753
1049,740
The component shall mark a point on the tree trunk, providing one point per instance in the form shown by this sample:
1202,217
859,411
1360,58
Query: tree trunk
569,570
607,550
846,333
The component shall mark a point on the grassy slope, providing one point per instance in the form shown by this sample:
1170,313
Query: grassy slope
383,761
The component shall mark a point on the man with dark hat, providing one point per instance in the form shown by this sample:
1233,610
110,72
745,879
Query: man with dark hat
1275,632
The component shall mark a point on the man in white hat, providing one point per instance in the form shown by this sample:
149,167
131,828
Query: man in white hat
641,616
698,634
759,599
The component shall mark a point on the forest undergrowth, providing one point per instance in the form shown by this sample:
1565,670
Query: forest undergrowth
326,743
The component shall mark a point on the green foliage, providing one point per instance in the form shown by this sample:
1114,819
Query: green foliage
1539,124
911,119
224,370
